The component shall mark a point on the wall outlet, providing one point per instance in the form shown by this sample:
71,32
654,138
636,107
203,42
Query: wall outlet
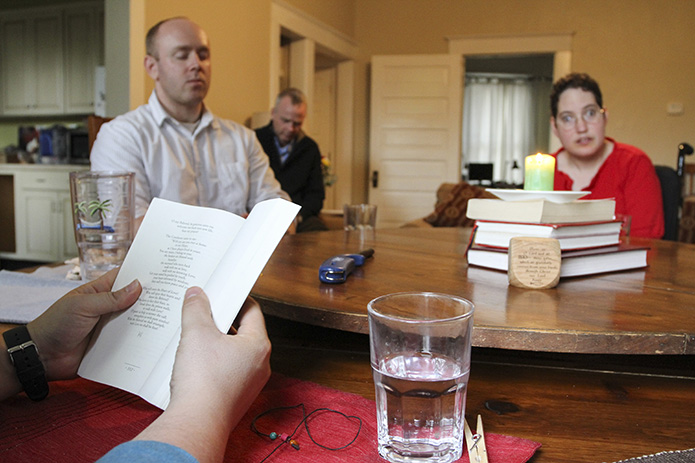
674,109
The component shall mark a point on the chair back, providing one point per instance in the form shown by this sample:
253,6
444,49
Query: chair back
688,180
671,196
94,123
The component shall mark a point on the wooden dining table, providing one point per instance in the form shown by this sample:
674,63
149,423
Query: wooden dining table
582,408
643,311
598,369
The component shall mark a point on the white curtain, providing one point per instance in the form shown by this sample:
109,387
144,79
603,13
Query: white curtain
499,122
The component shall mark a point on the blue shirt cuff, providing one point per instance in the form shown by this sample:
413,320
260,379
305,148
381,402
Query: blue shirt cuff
144,451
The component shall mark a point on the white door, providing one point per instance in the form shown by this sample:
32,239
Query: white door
415,133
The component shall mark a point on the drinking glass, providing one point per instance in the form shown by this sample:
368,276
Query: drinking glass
103,218
420,348
359,216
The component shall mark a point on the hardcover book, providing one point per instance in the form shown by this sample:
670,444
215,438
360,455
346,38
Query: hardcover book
541,210
577,235
574,263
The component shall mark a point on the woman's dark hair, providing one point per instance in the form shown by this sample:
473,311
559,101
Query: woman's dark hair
574,80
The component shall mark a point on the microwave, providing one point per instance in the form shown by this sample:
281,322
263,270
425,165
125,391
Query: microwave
77,146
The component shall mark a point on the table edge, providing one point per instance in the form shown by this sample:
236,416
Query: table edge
525,339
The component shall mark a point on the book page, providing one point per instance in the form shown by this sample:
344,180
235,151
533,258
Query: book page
247,255
231,282
177,246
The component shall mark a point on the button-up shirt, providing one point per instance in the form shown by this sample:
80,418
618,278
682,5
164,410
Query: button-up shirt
220,164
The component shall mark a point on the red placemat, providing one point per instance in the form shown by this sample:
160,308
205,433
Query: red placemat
81,420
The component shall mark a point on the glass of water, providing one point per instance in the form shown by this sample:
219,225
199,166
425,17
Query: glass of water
359,216
103,215
420,346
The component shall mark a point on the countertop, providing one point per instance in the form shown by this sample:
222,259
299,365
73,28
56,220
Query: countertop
18,167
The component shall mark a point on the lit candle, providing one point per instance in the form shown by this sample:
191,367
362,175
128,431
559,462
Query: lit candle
539,174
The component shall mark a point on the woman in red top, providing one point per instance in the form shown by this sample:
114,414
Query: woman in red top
590,161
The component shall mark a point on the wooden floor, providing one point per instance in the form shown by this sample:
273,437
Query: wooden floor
581,408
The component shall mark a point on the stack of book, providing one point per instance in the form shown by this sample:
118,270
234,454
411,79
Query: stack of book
587,231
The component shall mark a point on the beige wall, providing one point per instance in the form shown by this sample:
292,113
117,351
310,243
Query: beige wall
338,14
239,41
640,51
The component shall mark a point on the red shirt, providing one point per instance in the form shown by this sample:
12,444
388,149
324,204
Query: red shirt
627,175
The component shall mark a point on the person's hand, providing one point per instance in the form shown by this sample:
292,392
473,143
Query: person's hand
215,380
62,332
217,367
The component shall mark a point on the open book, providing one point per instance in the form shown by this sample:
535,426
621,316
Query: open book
178,246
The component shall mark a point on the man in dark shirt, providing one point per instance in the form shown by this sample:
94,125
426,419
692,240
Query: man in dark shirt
295,158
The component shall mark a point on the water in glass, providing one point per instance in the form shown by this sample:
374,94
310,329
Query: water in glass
420,400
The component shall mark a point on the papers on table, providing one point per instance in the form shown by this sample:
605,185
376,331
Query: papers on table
25,296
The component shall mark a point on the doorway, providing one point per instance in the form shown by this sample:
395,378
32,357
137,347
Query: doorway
320,88
557,45
323,126
318,61
505,112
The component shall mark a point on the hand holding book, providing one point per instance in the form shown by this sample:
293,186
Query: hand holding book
179,246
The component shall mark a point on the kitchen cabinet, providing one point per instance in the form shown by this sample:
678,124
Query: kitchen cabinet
42,212
84,51
49,57
46,226
32,57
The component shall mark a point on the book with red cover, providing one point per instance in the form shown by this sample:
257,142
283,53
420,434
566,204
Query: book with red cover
579,235
574,263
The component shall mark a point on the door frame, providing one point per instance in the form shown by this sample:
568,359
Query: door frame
560,45
329,41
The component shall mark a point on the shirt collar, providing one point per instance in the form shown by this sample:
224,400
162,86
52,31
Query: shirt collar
160,114
283,151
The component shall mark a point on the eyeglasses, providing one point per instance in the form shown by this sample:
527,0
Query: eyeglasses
590,115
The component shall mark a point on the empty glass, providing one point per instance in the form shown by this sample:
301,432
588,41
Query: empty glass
103,216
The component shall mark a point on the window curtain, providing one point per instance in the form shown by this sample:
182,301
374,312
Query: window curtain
500,122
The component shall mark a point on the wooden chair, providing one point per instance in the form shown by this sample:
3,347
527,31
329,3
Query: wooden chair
94,123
